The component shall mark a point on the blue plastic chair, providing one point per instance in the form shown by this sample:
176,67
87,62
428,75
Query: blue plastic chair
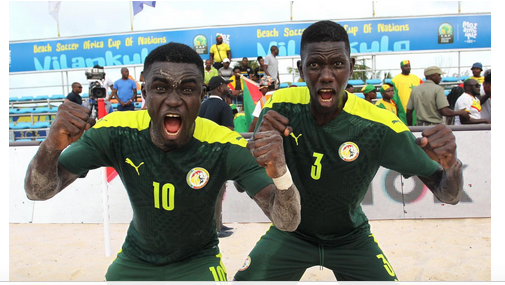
356,82
57,96
374,81
450,79
388,80
22,125
22,111
13,99
41,97
41,125
463,78
283,85
25,98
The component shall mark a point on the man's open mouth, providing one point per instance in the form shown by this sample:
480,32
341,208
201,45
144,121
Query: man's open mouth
172,124
326,94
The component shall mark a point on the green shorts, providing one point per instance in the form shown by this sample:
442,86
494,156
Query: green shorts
279,256
204,267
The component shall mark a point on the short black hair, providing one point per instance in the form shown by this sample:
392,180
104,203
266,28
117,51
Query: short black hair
258,58
236,67
325,31
174,52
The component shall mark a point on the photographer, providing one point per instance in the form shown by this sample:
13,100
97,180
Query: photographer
125,91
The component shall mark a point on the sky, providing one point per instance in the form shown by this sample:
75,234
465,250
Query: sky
30,20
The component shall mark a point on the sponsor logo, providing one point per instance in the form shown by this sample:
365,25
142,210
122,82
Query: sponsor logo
295,137
200,44
130,162
445,34
197,178
348,151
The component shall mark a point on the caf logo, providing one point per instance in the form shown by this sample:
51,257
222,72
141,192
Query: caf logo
445,34
197,178
200,44
348,151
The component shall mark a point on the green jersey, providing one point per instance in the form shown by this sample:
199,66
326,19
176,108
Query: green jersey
333,165
173,194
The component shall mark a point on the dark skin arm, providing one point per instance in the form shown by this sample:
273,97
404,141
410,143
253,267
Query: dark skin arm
281,206
451,113
447,181
409,117
45,177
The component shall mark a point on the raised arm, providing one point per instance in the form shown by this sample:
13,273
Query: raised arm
279,201
45,177
440,145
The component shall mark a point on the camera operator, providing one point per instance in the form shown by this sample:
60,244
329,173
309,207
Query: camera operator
125,90
97,89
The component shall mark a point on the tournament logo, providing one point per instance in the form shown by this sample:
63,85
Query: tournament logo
197,178
200,44
445,34
247,262
348,151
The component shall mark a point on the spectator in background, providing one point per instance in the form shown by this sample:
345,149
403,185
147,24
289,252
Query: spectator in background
210,72
259,71
236,81
272,64
485,97
75,96
387,91
429,101
404,82
125,90
226,71
349,88
245,69
217,110
369,92
452,97
476,71
218,52
470,103
267,88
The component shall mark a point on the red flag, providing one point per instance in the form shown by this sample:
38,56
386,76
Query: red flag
251,95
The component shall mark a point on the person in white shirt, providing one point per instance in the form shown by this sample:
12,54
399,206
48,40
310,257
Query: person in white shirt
271,64
469,102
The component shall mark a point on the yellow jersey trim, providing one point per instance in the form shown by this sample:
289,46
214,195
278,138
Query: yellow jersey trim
205,130
129,119
210,132
354,106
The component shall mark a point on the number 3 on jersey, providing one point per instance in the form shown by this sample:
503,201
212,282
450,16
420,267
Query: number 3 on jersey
315,172
167,196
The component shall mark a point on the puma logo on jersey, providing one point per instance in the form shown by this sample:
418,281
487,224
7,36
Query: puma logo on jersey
395,121
130,162
295,137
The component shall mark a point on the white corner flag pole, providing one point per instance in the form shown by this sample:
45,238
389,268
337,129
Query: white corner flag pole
105,205
105,191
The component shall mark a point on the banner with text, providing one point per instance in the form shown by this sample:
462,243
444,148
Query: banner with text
366,36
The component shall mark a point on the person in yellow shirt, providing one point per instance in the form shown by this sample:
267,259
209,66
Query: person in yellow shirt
404,83
218,52
387,91
476,71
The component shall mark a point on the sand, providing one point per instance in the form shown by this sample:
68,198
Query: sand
419,250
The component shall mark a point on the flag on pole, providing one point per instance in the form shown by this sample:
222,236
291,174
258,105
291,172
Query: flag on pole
251,94
138,6
54,9
291,6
